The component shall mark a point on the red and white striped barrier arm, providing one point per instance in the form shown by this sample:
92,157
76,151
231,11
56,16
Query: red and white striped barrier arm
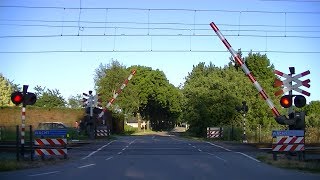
50,142
115,95
48,152
245,69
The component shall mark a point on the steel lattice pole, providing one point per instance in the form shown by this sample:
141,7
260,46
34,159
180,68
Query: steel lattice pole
246,70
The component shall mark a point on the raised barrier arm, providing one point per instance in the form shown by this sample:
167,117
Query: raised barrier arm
246,70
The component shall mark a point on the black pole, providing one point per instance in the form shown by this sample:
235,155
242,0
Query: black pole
31,143
17,142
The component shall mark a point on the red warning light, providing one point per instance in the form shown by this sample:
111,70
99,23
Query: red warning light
17,97
286,101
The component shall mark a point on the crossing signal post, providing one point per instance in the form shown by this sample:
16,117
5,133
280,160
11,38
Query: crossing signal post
26,98
243,109
295,120
90,103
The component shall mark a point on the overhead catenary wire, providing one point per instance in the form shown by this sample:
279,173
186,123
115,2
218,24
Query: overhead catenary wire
154,51
153,28
158,23
153,35
148,28
163,9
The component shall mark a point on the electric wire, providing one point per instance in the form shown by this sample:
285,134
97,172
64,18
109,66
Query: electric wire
162,9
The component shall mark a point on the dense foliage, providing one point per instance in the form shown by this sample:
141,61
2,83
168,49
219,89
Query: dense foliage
6,88
149,93
49,98
209,96
212,93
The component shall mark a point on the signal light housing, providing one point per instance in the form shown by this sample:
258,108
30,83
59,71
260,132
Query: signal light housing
27,99
299,101
286,101
30,99
17,98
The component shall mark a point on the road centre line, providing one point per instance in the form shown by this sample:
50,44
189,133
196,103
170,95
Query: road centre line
217,157
132,141
86,166
109,158
252,158
42,174
92,153
219,146
176,139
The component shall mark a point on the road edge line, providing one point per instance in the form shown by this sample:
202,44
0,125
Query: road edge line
219,146
250,157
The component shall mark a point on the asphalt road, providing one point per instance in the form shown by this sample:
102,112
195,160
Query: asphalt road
158,158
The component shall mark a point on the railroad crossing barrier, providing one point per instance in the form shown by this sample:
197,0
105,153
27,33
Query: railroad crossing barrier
51,146
102,131
214,132
288,141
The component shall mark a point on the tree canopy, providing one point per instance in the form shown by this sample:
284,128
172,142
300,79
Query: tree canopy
208,97
148,93
49,98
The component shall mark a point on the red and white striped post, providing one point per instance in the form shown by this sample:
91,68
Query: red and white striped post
115,95
23,120
245,69
23,127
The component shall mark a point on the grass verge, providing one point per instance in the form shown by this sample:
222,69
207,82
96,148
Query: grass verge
283,162
12,164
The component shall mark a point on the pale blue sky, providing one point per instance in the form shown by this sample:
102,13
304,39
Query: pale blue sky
274,27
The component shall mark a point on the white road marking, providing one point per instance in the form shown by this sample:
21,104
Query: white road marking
42,174
86,166
127,146
132,141
219,146
252,158
173,138
109,158
218,157
119,152
189,144
221,158
92,153
194,146
199,150
124,149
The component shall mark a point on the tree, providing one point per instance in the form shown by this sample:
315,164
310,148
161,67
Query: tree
312,111
49,98
109,78
5,91
212,93
75,102
148,93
